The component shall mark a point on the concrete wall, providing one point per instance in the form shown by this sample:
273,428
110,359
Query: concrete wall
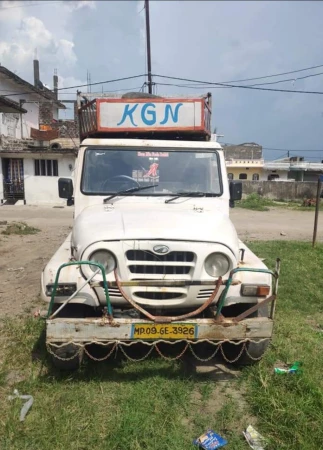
281,190
242,151
42,190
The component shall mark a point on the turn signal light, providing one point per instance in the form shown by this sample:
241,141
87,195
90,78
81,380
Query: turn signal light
254,290
62,290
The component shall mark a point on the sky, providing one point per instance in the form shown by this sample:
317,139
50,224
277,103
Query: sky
200,40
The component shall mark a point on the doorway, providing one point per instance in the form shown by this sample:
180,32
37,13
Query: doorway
13,179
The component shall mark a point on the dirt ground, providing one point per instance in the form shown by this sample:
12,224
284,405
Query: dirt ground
19,289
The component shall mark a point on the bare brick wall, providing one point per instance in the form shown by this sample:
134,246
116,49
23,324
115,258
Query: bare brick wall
45,113
66,128
281,190
9,144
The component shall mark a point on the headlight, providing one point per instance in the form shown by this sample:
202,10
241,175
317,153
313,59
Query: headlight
105,258
217,264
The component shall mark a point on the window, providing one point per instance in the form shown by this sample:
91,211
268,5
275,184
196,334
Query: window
242,176
230,176
164,172
46,167
255,177
273,177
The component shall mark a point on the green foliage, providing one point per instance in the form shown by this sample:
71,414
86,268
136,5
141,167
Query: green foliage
164,405
256,203
19,228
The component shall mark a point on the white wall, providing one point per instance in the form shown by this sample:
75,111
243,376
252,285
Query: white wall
283,174
29,119
42,190
1,180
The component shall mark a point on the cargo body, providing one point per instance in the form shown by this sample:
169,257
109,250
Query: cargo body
153,255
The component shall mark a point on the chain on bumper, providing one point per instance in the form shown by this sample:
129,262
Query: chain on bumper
120,345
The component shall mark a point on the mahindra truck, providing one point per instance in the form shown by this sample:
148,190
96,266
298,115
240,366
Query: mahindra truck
153,257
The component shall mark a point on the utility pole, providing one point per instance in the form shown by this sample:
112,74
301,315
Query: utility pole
150,84
317,208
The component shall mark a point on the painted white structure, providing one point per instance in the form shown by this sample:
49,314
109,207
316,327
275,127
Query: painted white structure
139,114
274,169
40,190
290,169
18,125
21,178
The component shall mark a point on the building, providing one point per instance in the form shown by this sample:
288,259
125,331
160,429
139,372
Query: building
293,168
35,146
244,161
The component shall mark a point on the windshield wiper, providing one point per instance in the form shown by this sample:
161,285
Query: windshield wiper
186,194
127,191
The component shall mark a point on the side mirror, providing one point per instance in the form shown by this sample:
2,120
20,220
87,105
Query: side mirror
65,190
235,188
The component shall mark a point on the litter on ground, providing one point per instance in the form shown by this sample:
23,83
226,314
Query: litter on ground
210,441
255,440
27,405
294,368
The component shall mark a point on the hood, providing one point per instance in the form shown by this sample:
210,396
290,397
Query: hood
113,223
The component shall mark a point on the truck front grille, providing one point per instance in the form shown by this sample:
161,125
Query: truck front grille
145,262
145,255
160,270
146,265
159,295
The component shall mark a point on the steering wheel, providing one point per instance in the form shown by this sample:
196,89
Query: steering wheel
122,177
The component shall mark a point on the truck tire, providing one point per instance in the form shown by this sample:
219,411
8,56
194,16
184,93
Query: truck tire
254,350
65,353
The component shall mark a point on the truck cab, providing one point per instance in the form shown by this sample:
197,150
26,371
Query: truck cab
153,254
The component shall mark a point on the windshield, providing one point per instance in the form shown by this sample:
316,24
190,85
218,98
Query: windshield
108,171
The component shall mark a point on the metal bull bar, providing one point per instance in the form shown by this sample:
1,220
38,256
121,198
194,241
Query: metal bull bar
168,319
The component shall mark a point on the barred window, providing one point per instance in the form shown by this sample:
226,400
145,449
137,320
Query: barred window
46,167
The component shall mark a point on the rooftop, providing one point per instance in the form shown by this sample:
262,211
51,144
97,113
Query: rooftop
44,92
10,106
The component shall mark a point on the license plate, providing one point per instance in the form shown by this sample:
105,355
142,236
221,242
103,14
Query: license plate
163,331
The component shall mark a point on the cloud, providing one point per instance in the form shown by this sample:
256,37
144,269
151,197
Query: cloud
32,37
214,41
72,6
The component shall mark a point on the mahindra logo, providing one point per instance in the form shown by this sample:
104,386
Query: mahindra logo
161,249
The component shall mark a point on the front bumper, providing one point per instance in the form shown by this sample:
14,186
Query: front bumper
102,330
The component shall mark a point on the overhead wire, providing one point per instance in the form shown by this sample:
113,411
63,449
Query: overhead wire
210,83
82,85
280,149
274,75
193,84
23,5
201,85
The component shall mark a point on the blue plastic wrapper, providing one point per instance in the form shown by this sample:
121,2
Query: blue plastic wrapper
210,441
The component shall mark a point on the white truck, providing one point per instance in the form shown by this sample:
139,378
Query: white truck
153,257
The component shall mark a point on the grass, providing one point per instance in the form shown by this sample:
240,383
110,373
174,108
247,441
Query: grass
19,228
159,405
258,203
